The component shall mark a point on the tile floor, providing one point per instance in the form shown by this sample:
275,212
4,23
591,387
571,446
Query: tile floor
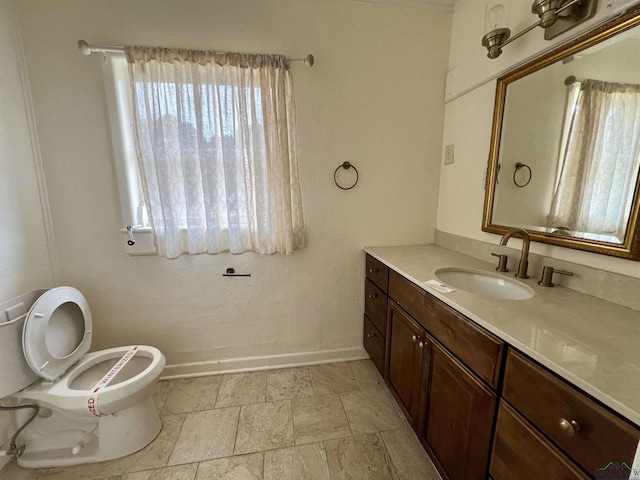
324,422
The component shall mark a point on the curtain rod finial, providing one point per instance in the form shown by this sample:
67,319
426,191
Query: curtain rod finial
84,47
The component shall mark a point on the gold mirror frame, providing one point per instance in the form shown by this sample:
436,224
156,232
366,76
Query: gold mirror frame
630,249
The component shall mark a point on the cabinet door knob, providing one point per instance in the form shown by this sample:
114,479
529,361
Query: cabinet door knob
569,427
372,295
373,270
421,344
414,338
369,335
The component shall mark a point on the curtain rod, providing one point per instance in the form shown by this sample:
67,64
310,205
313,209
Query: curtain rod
87,49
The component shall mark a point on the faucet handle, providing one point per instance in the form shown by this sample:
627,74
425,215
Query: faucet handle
502,262
547,276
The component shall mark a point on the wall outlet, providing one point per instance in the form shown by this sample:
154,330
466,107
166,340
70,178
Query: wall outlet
448,154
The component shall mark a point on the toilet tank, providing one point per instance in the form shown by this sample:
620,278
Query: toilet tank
15,373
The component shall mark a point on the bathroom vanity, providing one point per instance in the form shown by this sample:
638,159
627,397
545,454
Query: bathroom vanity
546,387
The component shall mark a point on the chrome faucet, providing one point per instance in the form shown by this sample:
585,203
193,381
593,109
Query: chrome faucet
524,258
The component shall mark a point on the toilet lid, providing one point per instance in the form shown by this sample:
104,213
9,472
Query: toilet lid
57,332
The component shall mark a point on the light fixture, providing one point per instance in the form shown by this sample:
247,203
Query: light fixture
555,17
496,21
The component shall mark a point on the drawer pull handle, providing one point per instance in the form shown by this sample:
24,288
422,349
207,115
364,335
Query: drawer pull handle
373,270
569,427
372,295
370,335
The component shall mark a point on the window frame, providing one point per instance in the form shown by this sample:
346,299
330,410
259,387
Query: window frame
120,115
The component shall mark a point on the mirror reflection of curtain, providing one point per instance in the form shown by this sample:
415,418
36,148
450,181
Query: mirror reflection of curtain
600,163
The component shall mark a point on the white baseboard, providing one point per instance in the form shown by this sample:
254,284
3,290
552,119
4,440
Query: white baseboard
235,365
4,460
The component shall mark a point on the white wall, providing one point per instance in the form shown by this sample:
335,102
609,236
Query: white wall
374,98
24,262
468,118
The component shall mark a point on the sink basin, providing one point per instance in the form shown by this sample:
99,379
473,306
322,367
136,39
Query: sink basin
486,284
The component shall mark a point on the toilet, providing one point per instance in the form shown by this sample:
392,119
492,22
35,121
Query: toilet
93,406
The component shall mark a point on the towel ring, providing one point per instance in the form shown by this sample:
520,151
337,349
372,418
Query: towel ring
518,167
346,166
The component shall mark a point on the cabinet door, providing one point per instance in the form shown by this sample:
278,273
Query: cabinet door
404,360
373,343
378,272
458,415
477,348
596,436
375,305
519,451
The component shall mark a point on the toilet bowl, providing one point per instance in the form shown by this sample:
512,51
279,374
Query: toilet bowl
94,406
71,392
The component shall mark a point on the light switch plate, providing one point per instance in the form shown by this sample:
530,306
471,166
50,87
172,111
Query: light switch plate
448,154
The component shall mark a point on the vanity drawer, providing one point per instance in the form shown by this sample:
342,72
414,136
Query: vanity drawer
373,343
478,349
546,400
378,272
519,451
375,305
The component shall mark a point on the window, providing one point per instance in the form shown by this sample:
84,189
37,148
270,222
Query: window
206,150
599,162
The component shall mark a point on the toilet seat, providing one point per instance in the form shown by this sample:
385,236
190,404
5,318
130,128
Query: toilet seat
55,341
112,398
73,435
57,332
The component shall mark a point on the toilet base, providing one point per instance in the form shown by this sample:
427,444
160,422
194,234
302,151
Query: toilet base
58,441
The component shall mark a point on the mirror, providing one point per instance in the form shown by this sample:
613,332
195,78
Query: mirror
565,146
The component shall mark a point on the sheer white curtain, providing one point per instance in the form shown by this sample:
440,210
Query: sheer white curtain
600,165
215,137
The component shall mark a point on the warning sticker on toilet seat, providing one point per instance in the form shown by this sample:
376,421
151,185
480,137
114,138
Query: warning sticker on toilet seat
92,399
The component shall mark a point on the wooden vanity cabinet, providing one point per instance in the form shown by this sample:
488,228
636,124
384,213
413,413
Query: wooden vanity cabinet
405,345
457,415
375,305
375,311
449,404
520,451
587,432
477,348
377,272
480,409
374,344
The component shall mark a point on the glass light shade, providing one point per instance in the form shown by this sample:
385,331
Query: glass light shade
496,15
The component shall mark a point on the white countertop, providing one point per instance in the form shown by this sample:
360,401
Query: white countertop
592,343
